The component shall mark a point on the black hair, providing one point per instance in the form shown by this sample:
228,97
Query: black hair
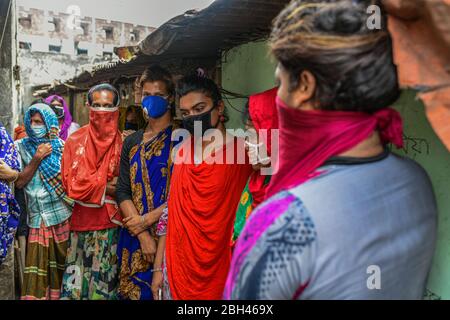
352,62
246,112
130,109
196,83
157,73
104,87
33,112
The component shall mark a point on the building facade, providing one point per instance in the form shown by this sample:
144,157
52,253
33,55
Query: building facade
71,34
55,46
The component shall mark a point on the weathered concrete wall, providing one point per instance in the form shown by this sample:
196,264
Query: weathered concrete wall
87,23
8,101
114,26
35,28
37,68
60,30
5,75
31,22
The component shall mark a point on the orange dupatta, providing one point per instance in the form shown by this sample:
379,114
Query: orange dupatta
91,159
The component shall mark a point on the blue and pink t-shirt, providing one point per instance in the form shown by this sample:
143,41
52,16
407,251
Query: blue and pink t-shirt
362,229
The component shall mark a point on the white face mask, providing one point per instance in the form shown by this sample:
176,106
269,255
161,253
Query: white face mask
39,131
105,109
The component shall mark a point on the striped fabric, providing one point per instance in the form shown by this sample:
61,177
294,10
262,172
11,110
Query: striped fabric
42,205
45,261
50,167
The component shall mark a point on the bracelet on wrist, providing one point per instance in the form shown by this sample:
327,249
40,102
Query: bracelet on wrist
143,221
157,270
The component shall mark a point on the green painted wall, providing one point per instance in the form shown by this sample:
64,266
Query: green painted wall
422,145
248,69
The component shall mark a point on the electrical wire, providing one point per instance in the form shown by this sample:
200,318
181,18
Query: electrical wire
231,105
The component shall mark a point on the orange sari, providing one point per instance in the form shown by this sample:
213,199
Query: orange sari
202,204
91,159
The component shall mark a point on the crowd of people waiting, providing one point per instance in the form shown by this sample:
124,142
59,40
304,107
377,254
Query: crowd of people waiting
140,215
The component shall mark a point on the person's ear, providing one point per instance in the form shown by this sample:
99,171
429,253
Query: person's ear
303,95
221,108
307,84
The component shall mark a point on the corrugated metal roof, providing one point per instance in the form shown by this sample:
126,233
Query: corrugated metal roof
224,24
195,35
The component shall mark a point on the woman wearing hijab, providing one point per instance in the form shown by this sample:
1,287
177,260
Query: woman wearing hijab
59,106
90,167
47,203
343,213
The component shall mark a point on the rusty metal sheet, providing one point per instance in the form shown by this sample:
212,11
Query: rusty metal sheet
421,39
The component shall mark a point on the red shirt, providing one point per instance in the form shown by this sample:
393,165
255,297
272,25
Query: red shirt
92,219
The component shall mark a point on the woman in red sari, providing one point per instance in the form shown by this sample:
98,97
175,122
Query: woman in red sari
203,196
90,167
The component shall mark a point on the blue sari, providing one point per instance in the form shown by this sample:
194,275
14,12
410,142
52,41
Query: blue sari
9,208
150,168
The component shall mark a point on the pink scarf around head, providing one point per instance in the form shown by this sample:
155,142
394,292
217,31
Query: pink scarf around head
309,138
64,130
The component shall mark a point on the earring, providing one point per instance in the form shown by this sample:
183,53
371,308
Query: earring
221,118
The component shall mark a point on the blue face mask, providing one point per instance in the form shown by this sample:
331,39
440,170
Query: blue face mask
39,131
155,106
131,126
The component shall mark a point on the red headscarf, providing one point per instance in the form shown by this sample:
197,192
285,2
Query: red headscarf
202,202
309,138
19,133
91,158
263,113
